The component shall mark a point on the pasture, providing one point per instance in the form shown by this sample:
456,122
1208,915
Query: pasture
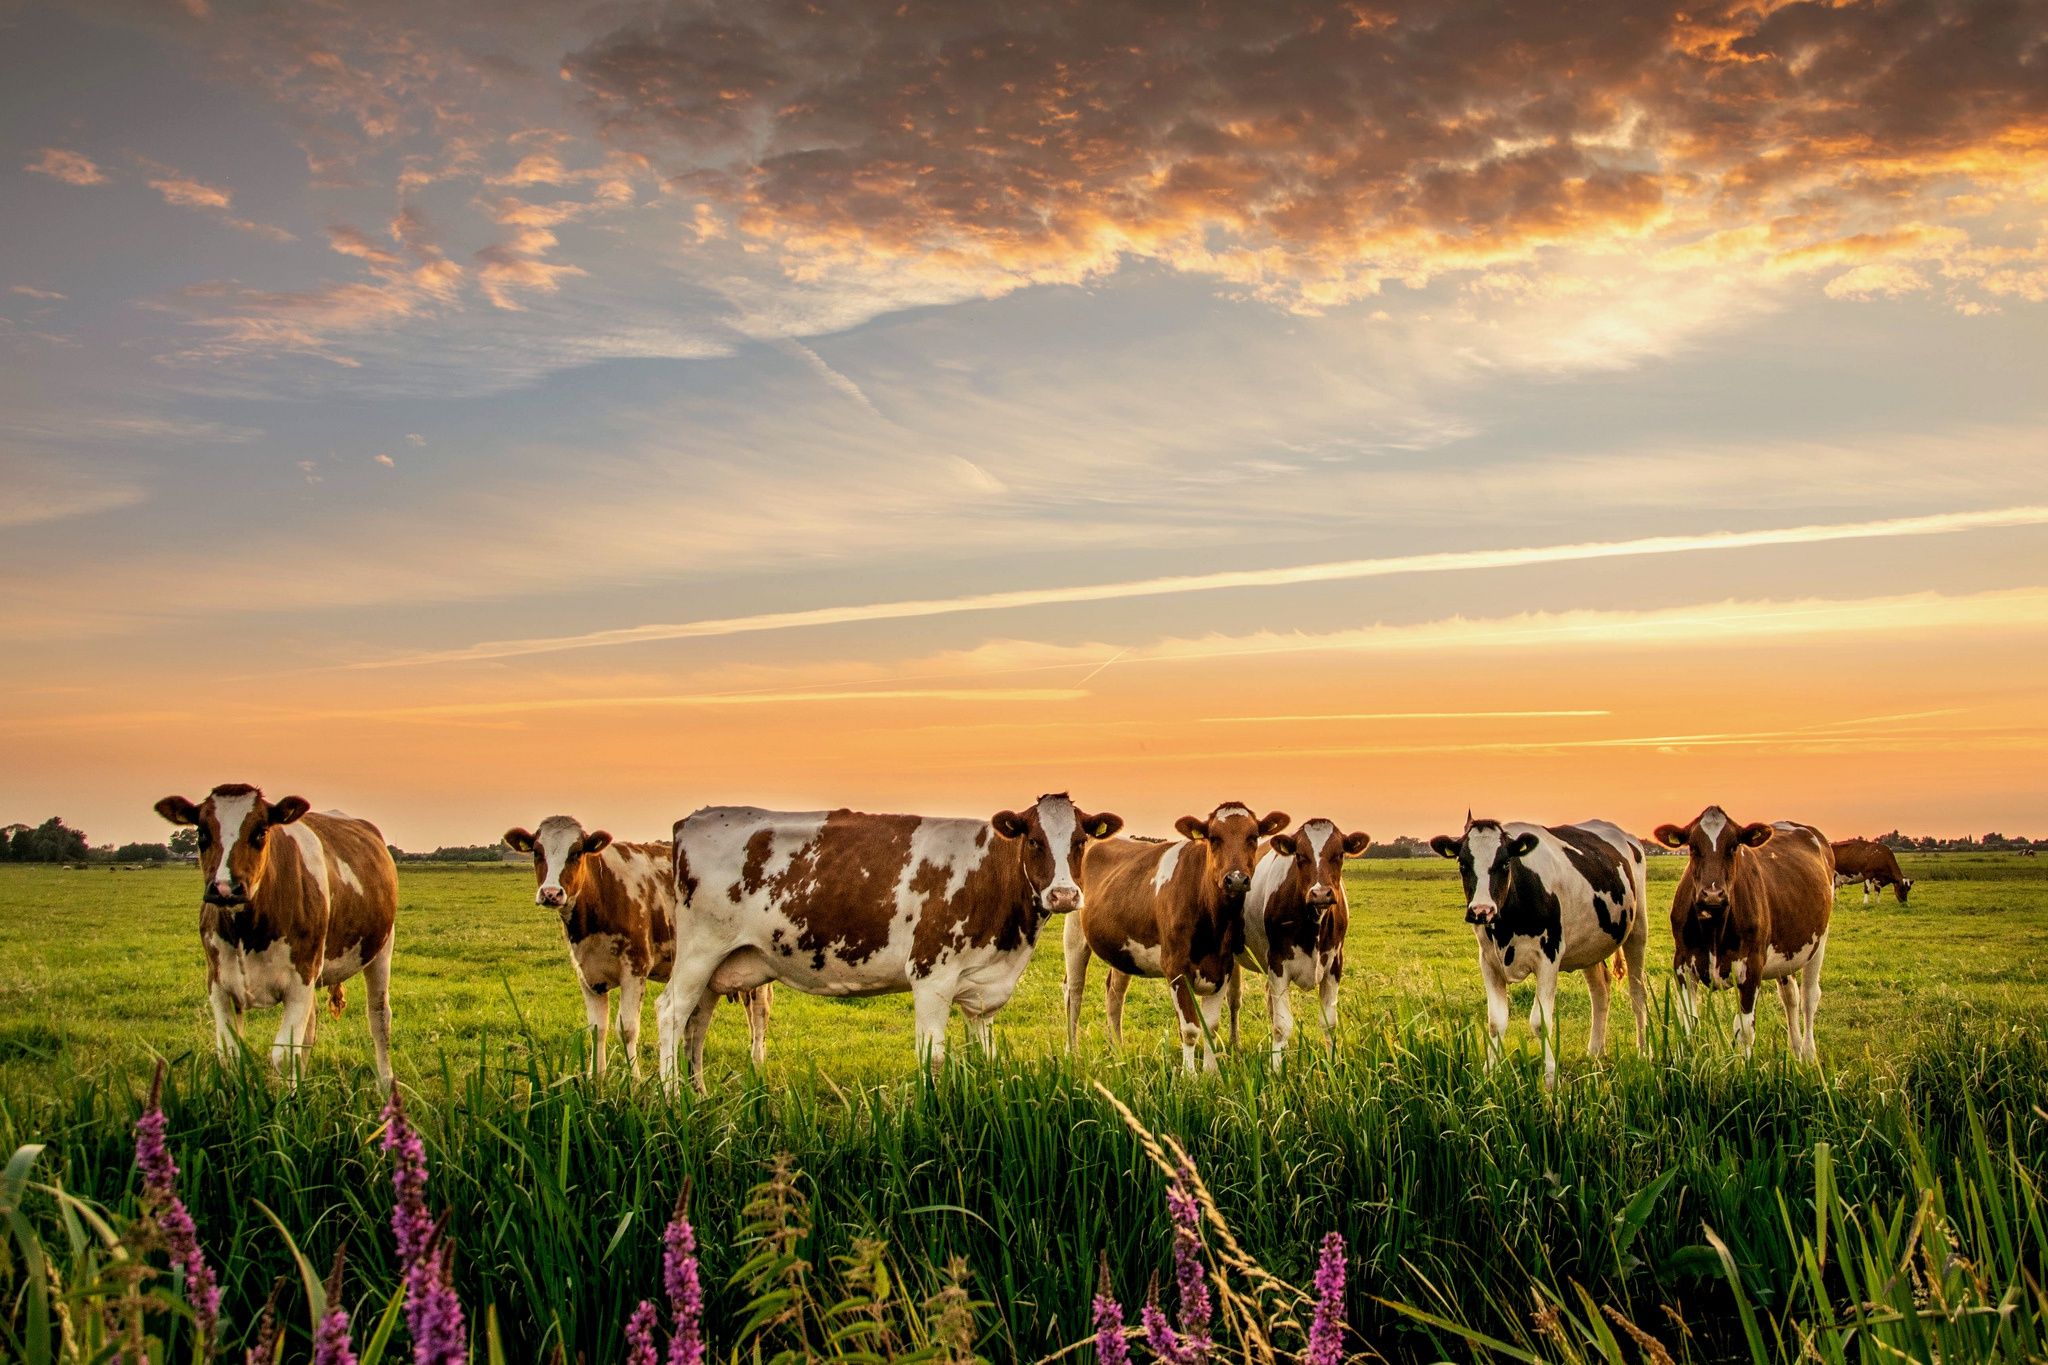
1465,1195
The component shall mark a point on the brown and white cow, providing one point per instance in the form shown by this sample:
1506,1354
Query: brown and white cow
1873,864
1295,919
1752,906
1548,899
1172,910
294,902
847,904
618,907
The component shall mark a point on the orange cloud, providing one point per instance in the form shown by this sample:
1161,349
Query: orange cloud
73,168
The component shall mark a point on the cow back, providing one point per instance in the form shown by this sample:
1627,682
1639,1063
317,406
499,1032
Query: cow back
351,864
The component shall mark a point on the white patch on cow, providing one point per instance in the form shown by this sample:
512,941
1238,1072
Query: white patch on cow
1777,965
1317,834
254,980
1056,815
348,875
312,853
343,966
1169,859
1737,971
230,813
1145,956
1482,845
1712,821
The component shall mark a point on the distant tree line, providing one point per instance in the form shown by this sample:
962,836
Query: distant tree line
1993,842
452,853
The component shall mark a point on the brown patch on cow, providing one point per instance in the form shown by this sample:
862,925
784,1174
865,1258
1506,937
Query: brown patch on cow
839,888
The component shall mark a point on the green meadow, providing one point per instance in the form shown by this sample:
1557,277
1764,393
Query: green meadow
1711,1203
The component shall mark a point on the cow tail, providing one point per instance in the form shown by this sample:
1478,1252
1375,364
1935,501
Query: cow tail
337,999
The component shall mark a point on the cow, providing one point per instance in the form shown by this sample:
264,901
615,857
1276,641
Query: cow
1752,906
842,903
1295,919
1873,864
293,901
618,907
1546,899
1172,909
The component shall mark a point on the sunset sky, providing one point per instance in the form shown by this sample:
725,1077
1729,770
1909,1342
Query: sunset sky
457,412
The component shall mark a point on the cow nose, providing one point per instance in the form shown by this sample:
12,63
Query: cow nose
552,897
1479,914
1062,900
1321,897
1237,883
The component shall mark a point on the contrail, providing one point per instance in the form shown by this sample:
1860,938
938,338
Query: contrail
1447,561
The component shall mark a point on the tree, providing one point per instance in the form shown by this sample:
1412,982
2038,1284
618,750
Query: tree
53,841
184,843
142,853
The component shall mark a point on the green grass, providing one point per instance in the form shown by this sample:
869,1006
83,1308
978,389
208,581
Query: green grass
1462,1192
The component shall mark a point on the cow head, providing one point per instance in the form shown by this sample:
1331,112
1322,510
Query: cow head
1713,842
234,824
1486,855
1901,887
559,848
1319,850
1230,840
1050,837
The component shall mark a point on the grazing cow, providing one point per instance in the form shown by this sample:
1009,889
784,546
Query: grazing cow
1752,906
841,903
618,907
293,901
1869,862
1295,918
1551,899
1169,909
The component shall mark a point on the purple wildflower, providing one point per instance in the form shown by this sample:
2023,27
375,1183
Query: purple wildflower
1111,1347
1326,1328
160,1200
640,1335
1187,1265
330,1343
685,1290
433,1314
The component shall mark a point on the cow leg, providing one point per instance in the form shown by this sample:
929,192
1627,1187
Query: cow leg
1212,1007
1496,1011
1074,943
377,987
1683,986
760,1001
1113,993
1745,1017
1788,997
931,1009
1866,892
312,1027
696,1031
981,1027
291,1029
1638,989
227,1024
1326,994
1809,991
1280,1013
597,1010
1231,988
1546,1010
1597,984
632,990
673,1013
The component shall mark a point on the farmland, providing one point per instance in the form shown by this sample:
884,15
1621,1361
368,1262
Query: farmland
1459,1190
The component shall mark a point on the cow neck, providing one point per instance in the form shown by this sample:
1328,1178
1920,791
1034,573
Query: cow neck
1295,924
1017,908
277,908
1520,912
583,919
1222,914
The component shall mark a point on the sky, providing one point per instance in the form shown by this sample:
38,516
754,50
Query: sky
459,412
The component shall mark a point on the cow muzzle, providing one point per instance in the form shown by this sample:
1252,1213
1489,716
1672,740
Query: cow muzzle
227,895
1236,883
553,897
1711,900
1480,914
1321,898
1061,900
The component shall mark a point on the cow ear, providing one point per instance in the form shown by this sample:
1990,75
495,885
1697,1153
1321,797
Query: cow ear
1009,824
288,810
519,840
1274,822
1102,825
597,841
1524,845
178,810
1284,845
1192,827
1445,846
1755,836
1356,843
1671,836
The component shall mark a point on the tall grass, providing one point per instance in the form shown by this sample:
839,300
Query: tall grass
1728,1209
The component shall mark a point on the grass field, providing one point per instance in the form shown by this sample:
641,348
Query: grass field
1462,1193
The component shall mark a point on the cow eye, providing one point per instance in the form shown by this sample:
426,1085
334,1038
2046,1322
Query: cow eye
256,838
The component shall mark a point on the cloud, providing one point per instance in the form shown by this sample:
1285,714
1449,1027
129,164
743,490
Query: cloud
1316,154
184,192
29,291
44,490
1888,281
413,438
1335,571
73,168
385,460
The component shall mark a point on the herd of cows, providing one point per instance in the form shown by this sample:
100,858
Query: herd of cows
842,903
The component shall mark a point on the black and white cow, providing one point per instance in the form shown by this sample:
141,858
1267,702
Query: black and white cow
1548,899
